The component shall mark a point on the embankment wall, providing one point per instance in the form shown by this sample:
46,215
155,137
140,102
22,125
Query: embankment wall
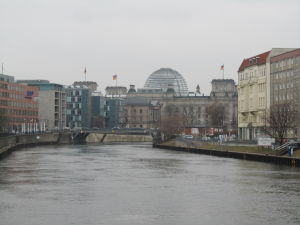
283,160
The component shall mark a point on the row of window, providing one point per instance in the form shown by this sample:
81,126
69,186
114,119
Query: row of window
284,75
283,86
252,119
11,87
286,62
242,104
17,104
74,93
74,118
261,72
11,95
74,112
20,120
252,89
74,105
19,112
284,97
74,99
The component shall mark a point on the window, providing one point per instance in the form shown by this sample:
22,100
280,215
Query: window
141,111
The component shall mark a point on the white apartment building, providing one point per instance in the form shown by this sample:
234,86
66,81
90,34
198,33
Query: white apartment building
254,93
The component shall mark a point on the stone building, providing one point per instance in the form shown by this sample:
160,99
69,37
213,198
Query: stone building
141,112
217,110
254,93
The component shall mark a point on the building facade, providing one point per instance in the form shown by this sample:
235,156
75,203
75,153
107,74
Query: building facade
254,97
98,110
114,112
52,103
142,113
78,107
18,107
217,110
285,81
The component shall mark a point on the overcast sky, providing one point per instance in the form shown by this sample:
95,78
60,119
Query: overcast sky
57,39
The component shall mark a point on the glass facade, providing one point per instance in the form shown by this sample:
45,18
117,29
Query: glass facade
165,78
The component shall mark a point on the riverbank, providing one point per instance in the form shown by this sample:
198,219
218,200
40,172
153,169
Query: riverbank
264,155
11,143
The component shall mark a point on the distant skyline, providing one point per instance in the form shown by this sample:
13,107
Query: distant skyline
57,39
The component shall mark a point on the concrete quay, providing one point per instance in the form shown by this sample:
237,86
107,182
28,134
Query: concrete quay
281,160
10,143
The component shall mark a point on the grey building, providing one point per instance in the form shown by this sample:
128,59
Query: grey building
285,80
98,110
78,107
141,112
217,110
114,112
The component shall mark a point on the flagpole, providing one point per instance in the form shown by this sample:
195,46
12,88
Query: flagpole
223,72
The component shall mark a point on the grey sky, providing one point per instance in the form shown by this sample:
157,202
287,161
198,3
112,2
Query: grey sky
57,39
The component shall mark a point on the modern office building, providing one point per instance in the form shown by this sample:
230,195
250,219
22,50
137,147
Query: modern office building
114,112
98,110
18,106
78,107
52,103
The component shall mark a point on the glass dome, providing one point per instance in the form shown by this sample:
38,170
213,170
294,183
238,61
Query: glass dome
165,78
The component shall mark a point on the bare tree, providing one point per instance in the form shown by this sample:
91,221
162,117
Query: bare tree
280,120
172,122
217,115
188,115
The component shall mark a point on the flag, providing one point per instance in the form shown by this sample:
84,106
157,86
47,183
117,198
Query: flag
85,70
114,77
222,67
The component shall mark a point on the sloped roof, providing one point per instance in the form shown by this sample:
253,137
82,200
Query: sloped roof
254,60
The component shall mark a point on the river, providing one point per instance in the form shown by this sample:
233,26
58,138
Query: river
137,184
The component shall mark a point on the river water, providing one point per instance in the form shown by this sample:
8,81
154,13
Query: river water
136,184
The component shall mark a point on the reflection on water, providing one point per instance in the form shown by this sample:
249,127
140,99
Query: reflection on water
136,184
